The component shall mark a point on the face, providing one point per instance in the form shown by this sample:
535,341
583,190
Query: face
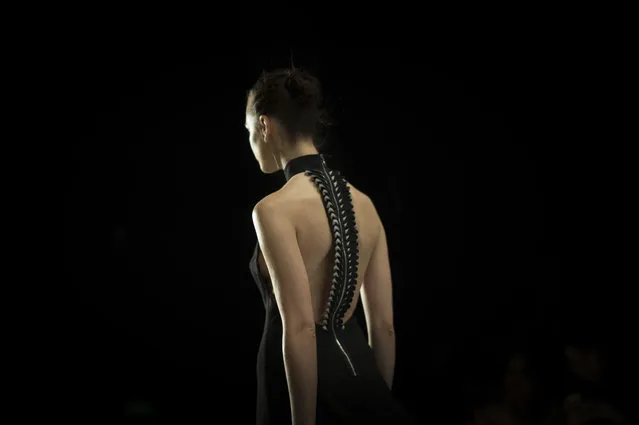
261,141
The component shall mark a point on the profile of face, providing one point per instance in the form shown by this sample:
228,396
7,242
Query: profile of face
282,115
265,140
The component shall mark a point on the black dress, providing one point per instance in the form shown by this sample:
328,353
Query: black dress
350,387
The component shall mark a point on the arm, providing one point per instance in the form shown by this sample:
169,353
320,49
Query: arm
377,301
278,242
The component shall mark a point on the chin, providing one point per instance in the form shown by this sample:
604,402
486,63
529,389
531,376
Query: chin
265,170
268,168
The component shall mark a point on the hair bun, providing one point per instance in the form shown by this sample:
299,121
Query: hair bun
301,88
294,96
293,86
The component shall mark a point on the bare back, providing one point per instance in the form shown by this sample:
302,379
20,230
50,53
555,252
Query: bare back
301,201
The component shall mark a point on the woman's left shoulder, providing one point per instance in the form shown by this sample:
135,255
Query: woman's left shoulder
275,201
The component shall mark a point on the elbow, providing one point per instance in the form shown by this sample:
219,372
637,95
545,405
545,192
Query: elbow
385,328
301,329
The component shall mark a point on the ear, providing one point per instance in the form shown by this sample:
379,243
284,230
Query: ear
265,125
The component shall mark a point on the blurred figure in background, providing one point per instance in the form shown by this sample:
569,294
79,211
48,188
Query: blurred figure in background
590,394
518,402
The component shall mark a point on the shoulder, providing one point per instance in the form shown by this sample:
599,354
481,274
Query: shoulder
276,233
367,213
287,202
359,194
367,205
270,207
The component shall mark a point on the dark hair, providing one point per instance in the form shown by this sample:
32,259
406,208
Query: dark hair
294,97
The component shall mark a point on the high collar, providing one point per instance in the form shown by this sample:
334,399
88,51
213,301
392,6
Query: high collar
302,163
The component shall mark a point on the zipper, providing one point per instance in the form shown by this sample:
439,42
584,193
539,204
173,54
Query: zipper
339,344
350,363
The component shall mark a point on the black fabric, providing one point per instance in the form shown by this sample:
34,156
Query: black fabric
303,163
350,388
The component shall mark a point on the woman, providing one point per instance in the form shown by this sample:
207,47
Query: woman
318,240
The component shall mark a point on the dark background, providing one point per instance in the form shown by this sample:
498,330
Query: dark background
486,164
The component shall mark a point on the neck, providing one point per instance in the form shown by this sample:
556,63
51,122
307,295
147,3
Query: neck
300,148
313,161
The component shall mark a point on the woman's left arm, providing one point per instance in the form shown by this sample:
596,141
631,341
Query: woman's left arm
278,241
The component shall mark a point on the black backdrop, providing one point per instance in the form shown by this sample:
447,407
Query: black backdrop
473,156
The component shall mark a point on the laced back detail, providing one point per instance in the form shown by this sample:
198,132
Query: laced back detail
338,203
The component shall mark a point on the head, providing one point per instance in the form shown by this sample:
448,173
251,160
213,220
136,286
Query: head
283,117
